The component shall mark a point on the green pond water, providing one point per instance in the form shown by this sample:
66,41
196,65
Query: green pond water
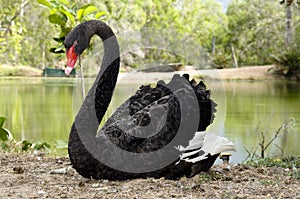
43,109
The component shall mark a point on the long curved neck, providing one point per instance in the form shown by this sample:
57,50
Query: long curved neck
100,94
107,77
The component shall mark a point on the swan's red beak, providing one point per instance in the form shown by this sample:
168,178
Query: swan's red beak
71,60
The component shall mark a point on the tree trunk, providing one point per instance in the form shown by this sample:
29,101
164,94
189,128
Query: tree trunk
289,31
213,43
234,60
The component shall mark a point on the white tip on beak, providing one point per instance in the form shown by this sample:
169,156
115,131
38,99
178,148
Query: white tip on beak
68,70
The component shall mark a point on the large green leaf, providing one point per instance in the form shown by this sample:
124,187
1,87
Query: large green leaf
57,19
5,135
65,2
56,50
68,14
45,3
79,14
100,14
60,49
26,145
89,10
2,120
85,10
60,40
55,4
41,145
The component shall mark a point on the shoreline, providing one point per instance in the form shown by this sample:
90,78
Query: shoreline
249,73
243,73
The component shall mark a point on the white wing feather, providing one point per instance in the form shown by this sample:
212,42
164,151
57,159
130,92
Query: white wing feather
209,143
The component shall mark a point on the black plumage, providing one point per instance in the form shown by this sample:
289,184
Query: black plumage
161,105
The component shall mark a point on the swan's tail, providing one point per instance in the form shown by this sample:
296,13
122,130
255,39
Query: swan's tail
203,150
207,106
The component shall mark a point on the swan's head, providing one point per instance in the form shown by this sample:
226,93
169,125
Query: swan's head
75,43
72,57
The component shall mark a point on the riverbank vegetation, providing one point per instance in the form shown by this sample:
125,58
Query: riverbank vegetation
254,32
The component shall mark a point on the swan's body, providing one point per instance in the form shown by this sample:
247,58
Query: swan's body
172,107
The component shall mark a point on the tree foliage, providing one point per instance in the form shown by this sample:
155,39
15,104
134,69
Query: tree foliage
21,39
288,2
195,20
256,29
66,14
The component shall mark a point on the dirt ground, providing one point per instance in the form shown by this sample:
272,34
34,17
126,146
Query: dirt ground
248,73
41,176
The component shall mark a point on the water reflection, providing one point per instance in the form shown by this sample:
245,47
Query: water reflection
253,107
44,108
37,109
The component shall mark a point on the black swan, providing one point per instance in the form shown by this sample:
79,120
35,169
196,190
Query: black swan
158,132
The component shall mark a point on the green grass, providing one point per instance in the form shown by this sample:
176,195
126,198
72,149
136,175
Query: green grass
288,162
292,163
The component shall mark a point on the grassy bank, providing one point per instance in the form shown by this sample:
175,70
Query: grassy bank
7,70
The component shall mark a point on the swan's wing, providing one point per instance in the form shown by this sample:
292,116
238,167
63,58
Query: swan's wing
195,143
151,118
204,145
215,144
200,154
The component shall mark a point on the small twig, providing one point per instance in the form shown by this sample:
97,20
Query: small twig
249,152
254,152
82,79
278,131
275,136
262,140
281,150
262,144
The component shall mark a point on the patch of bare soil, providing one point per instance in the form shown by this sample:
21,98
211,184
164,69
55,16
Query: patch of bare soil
38,176
248,73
